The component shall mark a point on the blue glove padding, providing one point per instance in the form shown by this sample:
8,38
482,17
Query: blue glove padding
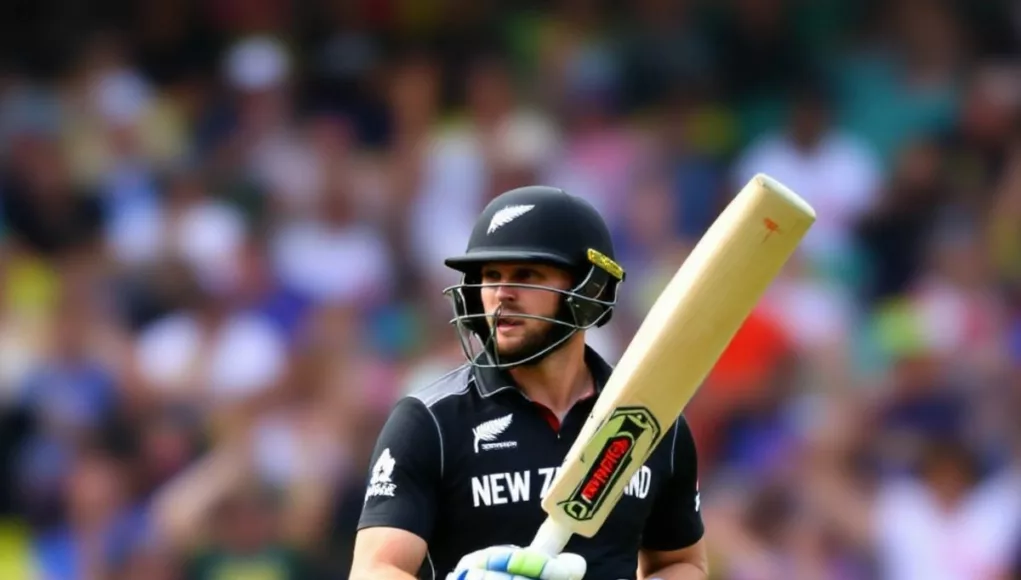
514,563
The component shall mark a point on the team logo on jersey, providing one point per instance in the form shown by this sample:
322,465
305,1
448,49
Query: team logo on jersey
381,483
486,433
507,215
629,435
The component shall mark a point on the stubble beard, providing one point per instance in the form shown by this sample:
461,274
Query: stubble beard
533,341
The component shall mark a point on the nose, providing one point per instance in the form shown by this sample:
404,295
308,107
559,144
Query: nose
506,294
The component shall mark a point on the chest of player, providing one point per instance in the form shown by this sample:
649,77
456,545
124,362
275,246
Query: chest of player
500,469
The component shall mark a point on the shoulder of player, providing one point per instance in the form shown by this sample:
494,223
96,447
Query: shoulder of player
680,426
682,443
427,407
418,408
456,383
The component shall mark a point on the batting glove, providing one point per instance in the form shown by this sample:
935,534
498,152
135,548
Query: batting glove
514,563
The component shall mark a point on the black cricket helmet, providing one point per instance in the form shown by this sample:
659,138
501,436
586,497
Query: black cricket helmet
539,225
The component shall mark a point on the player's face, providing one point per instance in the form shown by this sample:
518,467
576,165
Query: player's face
517,336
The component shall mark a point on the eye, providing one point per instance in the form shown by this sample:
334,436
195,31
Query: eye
490,276
528,275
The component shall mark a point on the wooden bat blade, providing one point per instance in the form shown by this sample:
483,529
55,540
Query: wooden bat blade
681,339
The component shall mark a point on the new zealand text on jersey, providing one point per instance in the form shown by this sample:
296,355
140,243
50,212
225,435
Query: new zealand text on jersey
517,486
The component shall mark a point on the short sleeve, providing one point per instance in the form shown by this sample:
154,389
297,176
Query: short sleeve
676,518
406,470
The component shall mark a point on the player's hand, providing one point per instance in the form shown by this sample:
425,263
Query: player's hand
514,563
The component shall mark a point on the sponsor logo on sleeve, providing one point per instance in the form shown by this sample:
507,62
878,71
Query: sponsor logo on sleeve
381,484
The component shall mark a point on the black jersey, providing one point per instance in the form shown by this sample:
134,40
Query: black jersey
465,462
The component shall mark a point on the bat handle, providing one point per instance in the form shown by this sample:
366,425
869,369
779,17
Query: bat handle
551,538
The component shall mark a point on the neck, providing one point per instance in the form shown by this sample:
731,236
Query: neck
559,380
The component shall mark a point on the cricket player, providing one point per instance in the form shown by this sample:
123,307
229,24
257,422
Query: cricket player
460,466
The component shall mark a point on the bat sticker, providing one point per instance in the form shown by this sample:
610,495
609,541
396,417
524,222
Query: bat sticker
628,435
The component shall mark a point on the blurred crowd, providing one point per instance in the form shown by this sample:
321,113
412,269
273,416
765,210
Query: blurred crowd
222,226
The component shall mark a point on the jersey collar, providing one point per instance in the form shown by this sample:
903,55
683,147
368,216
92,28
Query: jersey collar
490,381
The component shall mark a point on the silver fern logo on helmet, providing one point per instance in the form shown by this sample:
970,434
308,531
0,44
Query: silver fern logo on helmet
507,215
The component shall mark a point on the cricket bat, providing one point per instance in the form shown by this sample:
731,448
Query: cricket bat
682,337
